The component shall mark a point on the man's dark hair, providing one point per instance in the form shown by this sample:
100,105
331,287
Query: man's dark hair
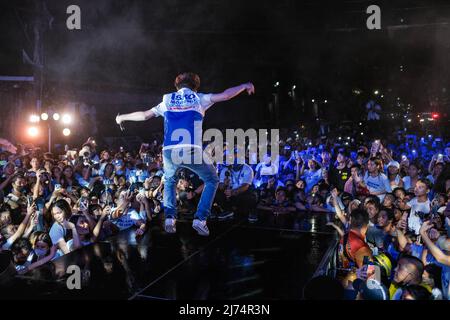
416,163
359,218
19,245
435,273
93,207
426,182
418,292
48,155
323,186
361,154
374,201
16,177
399,188
342,151
377,162
389,212
415,261
187,80
280,188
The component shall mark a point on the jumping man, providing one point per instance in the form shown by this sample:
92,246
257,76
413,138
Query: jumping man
183,112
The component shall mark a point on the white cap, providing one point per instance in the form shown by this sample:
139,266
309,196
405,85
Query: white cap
394,163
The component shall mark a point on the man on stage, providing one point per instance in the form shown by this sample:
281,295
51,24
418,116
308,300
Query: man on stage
183,111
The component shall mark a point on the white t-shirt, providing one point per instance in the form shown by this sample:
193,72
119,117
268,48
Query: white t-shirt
266,170
414,221
407,183
379,183
238,177
394,184
183,113
83,244
129,219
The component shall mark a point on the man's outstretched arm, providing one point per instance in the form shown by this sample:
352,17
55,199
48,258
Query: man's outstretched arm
135,116
233,92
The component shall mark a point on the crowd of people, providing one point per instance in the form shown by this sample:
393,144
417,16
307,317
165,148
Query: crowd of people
387,200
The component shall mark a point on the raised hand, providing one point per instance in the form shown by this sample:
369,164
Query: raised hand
148,182
427,225
31,209
250,88
119,119
140,198
334,193
139,232
402,224
106,210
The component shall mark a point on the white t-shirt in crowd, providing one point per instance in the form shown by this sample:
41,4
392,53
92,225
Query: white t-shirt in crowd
238,177
266,170
379,183
83,244
129,219
414,221
394,184
407,183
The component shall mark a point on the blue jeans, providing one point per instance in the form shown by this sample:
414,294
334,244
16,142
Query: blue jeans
206,172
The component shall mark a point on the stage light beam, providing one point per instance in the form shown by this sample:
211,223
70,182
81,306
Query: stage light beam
33,132
66,118
66,132
34,118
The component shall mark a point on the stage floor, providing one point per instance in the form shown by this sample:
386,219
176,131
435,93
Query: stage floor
271,259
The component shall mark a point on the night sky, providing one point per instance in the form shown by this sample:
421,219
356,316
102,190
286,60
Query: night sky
324,48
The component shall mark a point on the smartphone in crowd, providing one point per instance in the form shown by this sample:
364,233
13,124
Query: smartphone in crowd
29,201
84,203
373,271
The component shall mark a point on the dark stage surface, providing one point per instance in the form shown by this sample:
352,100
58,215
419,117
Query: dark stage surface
271,259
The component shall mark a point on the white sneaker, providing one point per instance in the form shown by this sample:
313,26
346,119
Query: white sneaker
201,227
170,225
